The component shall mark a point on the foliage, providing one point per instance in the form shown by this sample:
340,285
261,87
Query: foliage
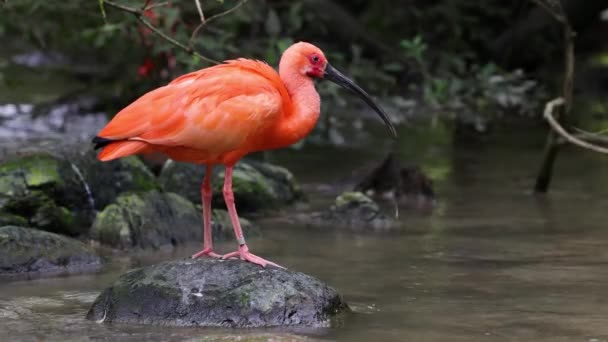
445,64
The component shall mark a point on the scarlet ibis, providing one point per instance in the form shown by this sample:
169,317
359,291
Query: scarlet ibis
217,115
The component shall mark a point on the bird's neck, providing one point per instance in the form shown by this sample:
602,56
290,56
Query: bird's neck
305,106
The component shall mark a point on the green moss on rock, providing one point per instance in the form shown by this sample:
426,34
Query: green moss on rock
222,225
354,198
352,210
148,220
7,219
257,186
154,219
60,190
29,186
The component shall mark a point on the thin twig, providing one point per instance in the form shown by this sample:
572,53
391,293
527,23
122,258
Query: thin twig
596,137
158,4
139,15
548,114
199,8
204,21
601,133
145,6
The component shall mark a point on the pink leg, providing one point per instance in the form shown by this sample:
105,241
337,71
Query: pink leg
243,251
206,195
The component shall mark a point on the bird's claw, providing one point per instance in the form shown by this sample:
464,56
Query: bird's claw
206,252
244,254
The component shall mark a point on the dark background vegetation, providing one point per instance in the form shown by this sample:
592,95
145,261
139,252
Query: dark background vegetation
477,63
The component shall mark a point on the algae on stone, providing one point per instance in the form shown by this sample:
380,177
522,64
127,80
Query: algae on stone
148,220
61,190
154,219
221,225
31,187
353,210
257,186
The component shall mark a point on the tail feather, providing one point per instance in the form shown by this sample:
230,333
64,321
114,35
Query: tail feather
123,148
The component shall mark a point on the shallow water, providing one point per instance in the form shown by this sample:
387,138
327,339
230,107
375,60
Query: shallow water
490,262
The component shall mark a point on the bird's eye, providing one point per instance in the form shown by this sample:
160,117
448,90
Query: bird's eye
315,59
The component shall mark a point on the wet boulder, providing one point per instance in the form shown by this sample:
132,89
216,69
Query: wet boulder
352,210
217,293
154,220
60,189
107,180
256,185
31,252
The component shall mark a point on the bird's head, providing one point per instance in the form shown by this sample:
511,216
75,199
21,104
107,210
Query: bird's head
310,61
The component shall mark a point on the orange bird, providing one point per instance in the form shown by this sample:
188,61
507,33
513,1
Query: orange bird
217,115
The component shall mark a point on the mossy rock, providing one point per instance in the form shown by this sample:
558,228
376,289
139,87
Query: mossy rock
34,188
107,180
217,293
222,226
7,219
257,186
31,252
153,220
61,190
353,210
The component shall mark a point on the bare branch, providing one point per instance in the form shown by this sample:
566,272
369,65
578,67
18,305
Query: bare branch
200,10
548,114
143,8
596,137
543,179
555,8
204,21
158,4
139,15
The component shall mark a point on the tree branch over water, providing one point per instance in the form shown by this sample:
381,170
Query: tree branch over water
555,9
139,15
558,110
548,115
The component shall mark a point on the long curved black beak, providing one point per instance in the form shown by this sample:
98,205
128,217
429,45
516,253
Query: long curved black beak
332,74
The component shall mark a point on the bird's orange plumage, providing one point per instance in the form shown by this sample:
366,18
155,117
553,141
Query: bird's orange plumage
213,116
219,114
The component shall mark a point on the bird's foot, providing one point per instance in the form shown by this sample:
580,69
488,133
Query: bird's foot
208,252
243,254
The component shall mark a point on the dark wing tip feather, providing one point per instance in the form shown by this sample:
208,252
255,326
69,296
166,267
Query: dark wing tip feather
101,142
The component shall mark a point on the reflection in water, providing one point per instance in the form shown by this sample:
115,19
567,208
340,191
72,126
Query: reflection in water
491,261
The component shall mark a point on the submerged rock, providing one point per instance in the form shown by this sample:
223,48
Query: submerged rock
27,252
154,219
352,210
212,292
407,183
256,185
60,191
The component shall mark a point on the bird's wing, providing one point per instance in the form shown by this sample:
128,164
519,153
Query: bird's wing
213,109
